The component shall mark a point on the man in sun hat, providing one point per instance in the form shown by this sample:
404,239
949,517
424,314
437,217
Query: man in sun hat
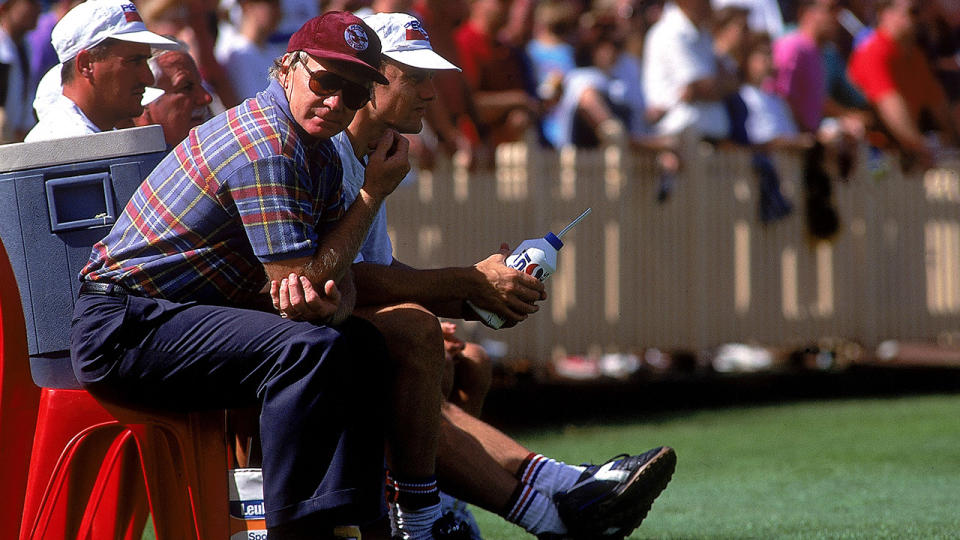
103,47
547,498
174,312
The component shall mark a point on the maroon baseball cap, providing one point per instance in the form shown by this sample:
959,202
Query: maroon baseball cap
341,36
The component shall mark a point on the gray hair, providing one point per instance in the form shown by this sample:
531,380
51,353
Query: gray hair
276,69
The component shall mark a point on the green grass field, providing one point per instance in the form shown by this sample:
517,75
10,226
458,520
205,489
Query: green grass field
867,468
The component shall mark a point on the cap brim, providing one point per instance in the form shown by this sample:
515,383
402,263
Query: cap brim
421,58
145,36
150,94
365,69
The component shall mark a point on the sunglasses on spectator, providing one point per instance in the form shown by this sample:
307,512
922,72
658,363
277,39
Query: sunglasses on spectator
326,83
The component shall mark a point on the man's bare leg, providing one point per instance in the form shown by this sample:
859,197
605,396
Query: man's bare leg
471,379
415,345
416,350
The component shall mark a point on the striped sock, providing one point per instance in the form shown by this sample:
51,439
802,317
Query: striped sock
414,507
533,511
547,475
414,494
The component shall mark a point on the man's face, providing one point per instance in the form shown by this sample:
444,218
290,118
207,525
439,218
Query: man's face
698,11
320,116
120,78
184,102
402,103
265,14
21,16
901,18
826,12
493,11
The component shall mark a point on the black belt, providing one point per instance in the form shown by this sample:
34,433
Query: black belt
107,289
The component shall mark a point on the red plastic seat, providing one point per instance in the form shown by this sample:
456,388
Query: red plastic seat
97,469
95,464
19,399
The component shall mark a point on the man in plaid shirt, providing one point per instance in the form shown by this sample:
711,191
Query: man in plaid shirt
168,312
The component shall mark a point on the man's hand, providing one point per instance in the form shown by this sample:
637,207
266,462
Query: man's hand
452,345
507,292
296,299
387,165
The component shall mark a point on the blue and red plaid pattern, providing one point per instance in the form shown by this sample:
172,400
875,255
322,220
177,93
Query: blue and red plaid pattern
242,189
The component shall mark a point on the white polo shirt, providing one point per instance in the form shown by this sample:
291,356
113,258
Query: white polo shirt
376,247
61,119
677,53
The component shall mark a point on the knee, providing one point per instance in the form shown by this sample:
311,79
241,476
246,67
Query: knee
355,350
416,341
473,376
476,360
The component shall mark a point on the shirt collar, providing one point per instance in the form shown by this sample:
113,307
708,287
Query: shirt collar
276,94
66,105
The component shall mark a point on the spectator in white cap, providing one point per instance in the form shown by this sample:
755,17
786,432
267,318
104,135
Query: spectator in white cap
474,461
103,47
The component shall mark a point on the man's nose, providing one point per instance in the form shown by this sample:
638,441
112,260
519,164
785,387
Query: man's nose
146,76
427,90
335,100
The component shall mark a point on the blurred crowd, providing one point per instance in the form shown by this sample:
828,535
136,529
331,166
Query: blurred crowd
825,74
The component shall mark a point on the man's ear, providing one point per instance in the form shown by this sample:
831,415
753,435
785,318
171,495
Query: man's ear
84,64
288,60
286,64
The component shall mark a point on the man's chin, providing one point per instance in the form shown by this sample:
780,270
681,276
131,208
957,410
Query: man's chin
409,128
323,130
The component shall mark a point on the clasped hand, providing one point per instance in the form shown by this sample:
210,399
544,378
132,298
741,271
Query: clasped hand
296,299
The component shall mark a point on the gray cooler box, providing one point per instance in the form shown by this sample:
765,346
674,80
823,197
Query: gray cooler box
57,199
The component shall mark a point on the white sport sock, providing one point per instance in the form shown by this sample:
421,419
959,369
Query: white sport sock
548,476
417,524
534,511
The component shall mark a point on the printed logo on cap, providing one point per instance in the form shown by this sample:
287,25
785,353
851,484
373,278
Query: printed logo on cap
415,31
130,13
356,37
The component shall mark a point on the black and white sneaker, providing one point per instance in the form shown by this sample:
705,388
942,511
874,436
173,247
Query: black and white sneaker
447,527
450,527
611,500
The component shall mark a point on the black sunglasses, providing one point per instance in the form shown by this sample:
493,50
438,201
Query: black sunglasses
326,83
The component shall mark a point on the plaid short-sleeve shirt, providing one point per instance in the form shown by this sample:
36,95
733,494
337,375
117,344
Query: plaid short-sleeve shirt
242,189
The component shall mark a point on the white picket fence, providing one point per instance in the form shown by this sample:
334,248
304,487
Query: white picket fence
700,269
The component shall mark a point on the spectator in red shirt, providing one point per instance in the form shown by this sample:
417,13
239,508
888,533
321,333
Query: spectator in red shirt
897,79
495,73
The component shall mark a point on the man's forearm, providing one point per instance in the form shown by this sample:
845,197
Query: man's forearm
338,246
441,290
896,117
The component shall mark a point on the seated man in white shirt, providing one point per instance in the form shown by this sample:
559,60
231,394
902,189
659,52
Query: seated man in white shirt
681,82
103,47
474,461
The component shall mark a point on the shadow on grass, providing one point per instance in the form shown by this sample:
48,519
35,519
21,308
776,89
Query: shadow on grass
554,405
